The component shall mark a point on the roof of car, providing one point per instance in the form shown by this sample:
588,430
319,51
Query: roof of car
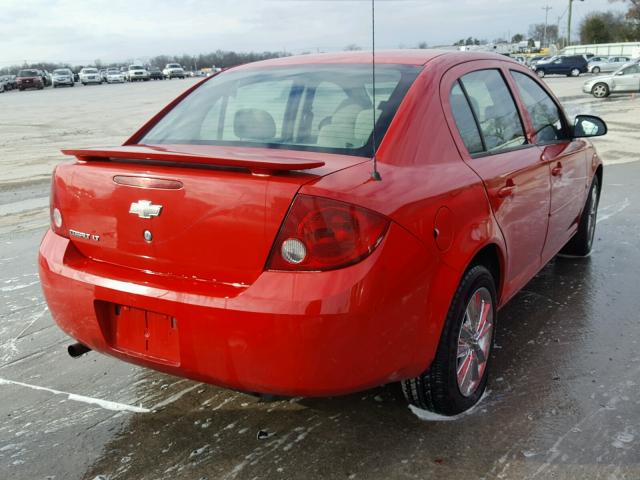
404,57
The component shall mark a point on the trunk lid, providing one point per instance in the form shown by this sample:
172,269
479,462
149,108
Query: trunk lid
205,213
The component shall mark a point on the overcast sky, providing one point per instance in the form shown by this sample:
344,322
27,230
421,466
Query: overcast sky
80,31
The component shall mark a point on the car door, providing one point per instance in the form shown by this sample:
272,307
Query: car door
492,141
565,158
627,79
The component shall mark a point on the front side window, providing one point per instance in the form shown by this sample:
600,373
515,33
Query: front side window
309,107
631,70
545,114
495,110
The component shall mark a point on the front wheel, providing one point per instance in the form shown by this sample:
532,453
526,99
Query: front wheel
582,242
457,377
600,90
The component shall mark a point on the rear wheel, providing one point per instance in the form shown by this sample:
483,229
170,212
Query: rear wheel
595,70
575,72
582,242
600,90
457,377
540,73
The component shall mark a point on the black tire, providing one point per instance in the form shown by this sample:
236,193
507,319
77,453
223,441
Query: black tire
437,389
541,73
575,72
600,90
582,242
595,70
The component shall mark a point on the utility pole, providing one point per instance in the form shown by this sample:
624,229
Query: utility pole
546,21
569,21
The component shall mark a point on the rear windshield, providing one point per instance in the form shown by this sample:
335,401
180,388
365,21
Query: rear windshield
327,108
27,73
62,71
173,65
90,70
135,67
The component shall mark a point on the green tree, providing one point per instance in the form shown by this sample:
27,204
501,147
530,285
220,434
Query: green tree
604,27
517,38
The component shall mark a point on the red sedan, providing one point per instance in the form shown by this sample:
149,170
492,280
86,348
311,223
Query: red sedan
246,237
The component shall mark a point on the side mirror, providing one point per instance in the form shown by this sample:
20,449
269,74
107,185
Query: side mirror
589,126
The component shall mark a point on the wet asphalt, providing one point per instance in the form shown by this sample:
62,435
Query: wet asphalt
563,399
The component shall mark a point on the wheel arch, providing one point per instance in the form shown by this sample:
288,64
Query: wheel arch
491,257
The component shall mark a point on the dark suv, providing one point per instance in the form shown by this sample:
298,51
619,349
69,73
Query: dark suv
571,66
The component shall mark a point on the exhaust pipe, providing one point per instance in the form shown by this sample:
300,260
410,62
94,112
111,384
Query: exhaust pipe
75,350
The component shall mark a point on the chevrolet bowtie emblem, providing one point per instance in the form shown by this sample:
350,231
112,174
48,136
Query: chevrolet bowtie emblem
145,209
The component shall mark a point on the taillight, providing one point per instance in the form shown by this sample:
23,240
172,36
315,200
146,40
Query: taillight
57,222
323,234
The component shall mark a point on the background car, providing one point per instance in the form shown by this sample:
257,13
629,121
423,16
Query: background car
173,70
571,66
137,73
29,78
623,80
62,76
607,64
114,75
90,75
9,82
155,73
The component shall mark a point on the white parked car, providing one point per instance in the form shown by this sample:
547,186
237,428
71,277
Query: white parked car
136,73
607,64
115,76
90,75
62,76
173,70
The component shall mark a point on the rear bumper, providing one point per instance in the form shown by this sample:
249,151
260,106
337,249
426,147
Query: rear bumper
311,334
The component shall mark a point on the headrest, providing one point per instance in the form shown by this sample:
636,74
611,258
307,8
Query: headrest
254,124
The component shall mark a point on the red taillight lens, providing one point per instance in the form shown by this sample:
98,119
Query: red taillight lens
323,234
57,222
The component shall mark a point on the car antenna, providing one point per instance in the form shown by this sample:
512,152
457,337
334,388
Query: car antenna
375,175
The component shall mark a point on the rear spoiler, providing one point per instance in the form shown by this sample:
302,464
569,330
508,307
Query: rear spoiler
222,157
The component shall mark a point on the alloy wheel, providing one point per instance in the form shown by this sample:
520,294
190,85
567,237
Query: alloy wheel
575,72
600,90
593,214
474,341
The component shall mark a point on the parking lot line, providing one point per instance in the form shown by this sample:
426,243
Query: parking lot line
106,404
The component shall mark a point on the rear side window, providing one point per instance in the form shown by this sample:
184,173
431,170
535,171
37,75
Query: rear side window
465,122
545,114
495,110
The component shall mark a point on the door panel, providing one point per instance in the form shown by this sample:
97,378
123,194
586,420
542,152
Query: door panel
568,171
515,177
518,187
565,159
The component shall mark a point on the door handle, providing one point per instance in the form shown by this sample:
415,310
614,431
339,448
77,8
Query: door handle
557,170
507,190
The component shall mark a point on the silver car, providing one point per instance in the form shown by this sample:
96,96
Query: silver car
607,64
62,76
624,80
